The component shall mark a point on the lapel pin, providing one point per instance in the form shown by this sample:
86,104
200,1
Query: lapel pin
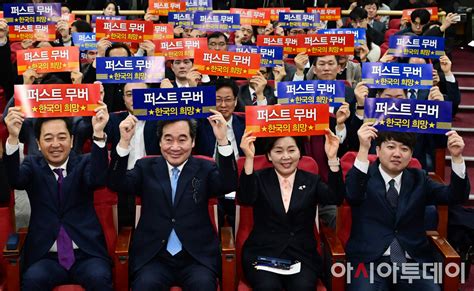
302,187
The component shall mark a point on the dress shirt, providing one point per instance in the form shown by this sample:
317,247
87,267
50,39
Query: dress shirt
137,145
259,102
286,188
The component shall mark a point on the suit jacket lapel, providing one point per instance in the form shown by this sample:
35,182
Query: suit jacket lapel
380,186
405,191
299,192
275,193
51,183
160,169
66,186
189,171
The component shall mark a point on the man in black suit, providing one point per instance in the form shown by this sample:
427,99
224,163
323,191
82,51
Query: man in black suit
388,202
174,242
144,142
256,92
65,243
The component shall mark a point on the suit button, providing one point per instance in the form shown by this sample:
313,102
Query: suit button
396,231
173,220
163,241
292,233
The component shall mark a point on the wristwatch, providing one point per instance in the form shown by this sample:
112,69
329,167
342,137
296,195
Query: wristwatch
104,138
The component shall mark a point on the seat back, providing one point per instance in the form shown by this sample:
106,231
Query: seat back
394,23
245,220
344,214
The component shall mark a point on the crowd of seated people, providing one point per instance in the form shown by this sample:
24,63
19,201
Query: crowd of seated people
173,242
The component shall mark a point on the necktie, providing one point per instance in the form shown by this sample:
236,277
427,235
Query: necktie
174,246
254,98
412,94
64,242
397,255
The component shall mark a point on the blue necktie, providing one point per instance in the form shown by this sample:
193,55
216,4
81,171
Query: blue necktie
397,255
63,242
174,246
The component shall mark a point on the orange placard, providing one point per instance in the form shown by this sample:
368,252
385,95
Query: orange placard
124,30
252,17
163,7
219,63
287,120
57,100
326,14
163,31
432,10
182,48
274,11
290,44
49,59
327,44
39,32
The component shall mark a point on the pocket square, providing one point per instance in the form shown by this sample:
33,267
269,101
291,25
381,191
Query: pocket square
302,187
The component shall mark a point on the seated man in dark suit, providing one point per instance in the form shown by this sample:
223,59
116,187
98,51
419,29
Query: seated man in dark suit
174,242
388,203
65,243
256,92
226,101
143,143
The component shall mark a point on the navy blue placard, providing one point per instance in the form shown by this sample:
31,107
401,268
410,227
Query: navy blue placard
271,56
41,13
407,115
183,19
199,5
395,75
360,37
84,40
130,69
311,92
216,21
298,20
173,103
416,46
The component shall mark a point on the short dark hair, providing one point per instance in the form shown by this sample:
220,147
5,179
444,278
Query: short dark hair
192,123
270,143
370,2
423,14
358,13
82,26
224,82
118,45
405,138
172,61
39,124
316,58
217,34
117,12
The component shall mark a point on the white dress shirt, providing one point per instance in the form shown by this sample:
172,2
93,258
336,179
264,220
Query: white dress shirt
137,145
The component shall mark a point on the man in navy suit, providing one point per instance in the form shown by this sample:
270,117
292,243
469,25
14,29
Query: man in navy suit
388,202
65,243
174,242
226,101
144,142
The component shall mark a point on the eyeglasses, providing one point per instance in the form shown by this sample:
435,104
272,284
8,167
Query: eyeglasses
225,101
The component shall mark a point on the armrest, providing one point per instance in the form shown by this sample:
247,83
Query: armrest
121,259
123,243
228,259
450,256
333,252
12,257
